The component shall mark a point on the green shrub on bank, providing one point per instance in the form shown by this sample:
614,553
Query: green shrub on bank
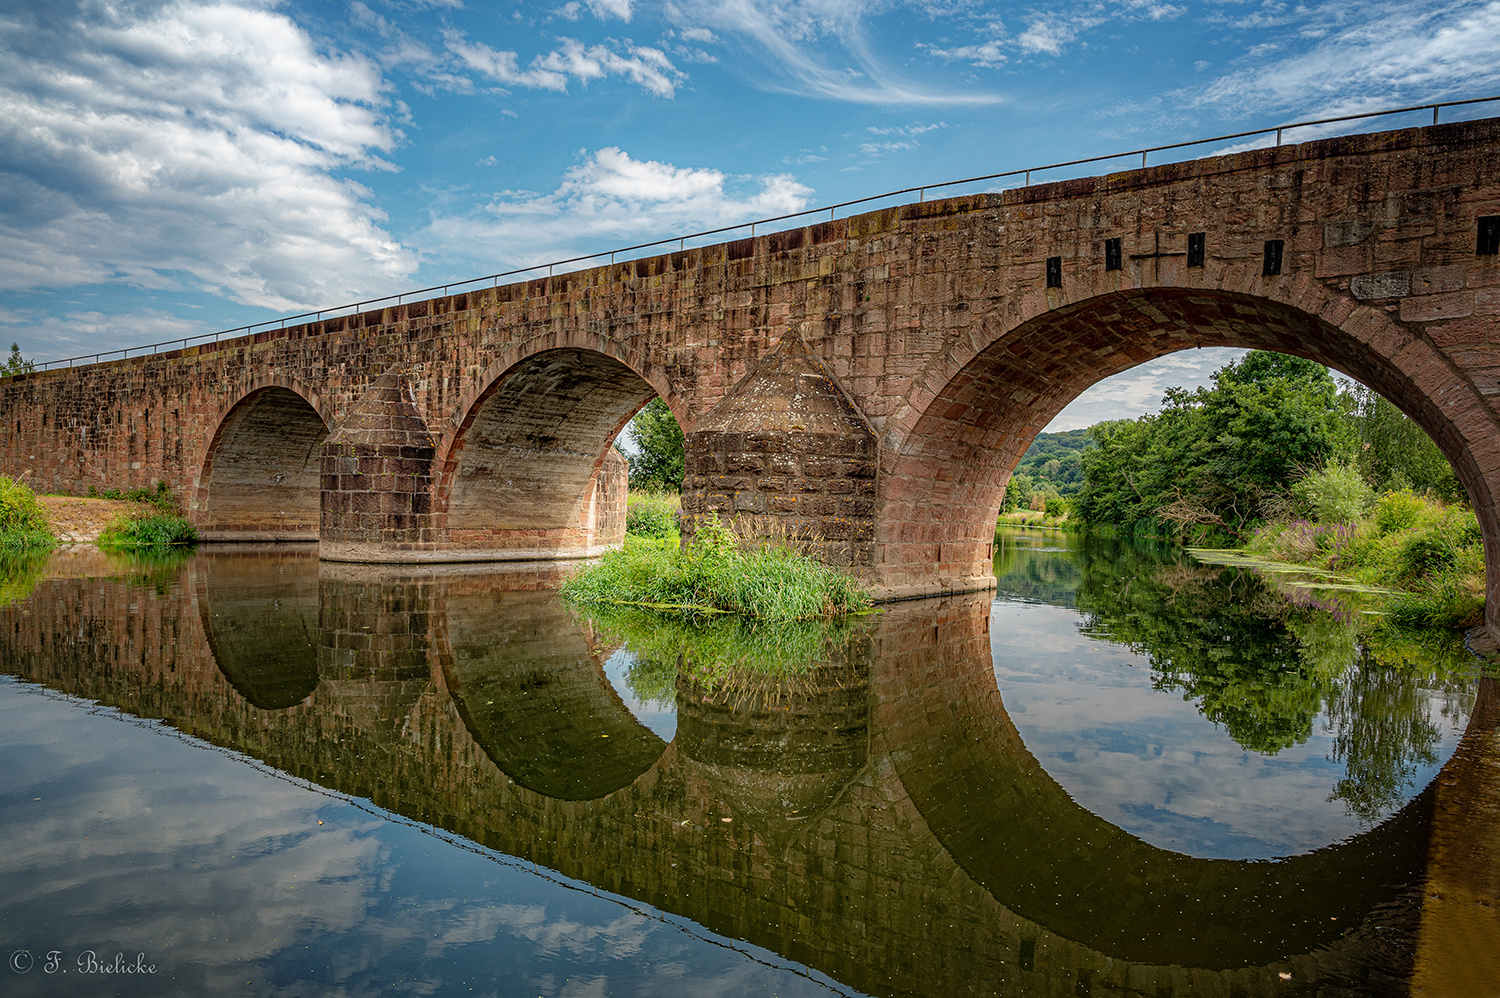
159,496
147,528
1336,494
652,514
1430,552
718,574
23,524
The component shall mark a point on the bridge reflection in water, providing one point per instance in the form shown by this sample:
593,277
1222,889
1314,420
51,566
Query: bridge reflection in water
887,825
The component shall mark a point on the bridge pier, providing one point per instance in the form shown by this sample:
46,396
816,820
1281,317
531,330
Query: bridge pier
787,455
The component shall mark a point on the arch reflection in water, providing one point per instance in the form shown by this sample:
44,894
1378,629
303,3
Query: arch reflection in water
775,714
260,613
1202,711
531,687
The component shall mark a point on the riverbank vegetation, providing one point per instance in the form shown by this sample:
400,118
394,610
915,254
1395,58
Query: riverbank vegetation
718,573
23,524
1277,458
155,522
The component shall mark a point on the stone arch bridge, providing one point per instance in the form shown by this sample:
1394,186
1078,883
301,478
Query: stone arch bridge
873,378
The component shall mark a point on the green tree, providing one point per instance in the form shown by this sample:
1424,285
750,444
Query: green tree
659,462
1017,492
15,363
1393,452
1218,456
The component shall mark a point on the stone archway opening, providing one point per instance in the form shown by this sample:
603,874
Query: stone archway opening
944,484
262,478
532,472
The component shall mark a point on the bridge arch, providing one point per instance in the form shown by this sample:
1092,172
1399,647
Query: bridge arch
527,468
970,418
261,477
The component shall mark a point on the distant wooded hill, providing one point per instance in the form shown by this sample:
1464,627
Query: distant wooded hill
1053,458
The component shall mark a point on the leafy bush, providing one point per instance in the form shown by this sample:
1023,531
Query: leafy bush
23,524
1424,555
1399,510
1336,494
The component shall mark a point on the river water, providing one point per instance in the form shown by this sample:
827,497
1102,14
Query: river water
1125,773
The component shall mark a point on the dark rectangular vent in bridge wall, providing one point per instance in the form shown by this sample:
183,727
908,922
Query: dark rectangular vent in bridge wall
1111,254
1197,242
1054,271
1489,235
1272,264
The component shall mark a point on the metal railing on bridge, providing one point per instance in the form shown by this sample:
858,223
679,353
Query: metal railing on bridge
493,280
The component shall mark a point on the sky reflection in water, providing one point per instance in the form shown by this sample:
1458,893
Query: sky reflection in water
1147,759
230,876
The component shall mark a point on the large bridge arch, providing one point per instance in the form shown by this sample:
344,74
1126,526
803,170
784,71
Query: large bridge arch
527,469
260,478
970,417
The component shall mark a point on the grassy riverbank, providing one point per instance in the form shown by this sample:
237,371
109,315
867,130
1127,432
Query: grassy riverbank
718,573
1426,553
155,522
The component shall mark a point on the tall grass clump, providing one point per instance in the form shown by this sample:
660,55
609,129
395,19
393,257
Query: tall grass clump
147,528
156,522
23,524
652,514
718,573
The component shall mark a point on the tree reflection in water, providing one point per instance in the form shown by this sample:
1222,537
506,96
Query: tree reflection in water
1262,661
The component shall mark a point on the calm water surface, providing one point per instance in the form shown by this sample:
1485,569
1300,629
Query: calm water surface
1126,774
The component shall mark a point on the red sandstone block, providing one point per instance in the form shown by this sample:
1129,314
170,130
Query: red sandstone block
1426,308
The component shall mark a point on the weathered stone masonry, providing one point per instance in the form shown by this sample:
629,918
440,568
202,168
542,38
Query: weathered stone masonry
924,341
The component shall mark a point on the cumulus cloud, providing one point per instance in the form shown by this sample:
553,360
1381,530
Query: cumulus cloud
611,198
897,138
190,144
1139,391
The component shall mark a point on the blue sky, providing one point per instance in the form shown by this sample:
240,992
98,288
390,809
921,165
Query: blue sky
171,168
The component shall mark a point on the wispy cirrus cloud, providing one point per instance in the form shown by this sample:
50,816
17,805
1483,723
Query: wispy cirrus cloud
1376,56
818,48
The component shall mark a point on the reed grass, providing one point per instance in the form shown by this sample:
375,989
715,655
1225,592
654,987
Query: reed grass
719,572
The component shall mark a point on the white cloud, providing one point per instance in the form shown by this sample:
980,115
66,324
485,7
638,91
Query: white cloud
572,60
611,198
1379,55
1139,391
46,336
987,54
1046,36
198,145
605,9
817,48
